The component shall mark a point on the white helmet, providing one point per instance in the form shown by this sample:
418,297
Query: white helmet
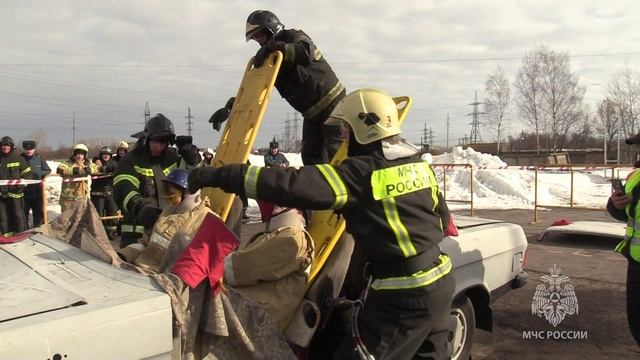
81,147
371,113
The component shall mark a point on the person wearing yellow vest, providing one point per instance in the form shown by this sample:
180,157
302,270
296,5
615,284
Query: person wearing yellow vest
76,167
625,206
390,200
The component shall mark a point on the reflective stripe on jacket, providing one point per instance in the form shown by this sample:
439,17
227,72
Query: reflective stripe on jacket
13,167
75,190
135,177
632,235
393,208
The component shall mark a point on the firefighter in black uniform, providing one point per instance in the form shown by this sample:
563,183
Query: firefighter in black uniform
12,167
139,175
102,189
390,200
305,80
121,151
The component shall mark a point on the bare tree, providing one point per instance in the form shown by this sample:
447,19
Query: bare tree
529,99
606,123
498,95
562,96
550,98
624,95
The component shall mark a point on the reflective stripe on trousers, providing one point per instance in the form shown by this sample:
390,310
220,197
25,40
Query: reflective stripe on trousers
421,278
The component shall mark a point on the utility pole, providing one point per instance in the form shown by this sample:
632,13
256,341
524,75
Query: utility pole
147,112
475,123
447,132
189,122
74,130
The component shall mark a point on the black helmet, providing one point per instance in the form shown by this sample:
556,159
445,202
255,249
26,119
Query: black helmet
273,143
159,128
7,140
105,150
265,21
28,144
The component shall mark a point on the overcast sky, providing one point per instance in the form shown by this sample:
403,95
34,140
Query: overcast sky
104,59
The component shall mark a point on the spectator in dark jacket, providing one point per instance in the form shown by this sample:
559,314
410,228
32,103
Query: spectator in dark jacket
33,193
274,157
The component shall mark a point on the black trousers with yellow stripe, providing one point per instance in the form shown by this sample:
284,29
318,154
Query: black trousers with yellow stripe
12,219
633,298
405,324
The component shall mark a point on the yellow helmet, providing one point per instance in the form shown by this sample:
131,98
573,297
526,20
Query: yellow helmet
123,145
371,113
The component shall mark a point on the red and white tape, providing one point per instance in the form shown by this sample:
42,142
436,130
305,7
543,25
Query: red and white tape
29,182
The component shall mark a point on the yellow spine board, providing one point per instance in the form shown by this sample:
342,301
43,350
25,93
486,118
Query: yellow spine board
243,124
326,227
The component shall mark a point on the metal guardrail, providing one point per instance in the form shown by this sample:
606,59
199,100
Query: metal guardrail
609,171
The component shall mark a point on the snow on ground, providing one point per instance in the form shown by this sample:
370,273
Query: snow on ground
495,186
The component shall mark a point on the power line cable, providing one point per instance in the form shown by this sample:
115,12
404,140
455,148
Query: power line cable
401,61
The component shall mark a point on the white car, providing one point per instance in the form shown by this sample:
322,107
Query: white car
60,303
488,259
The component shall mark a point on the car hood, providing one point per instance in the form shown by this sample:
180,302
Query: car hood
40,274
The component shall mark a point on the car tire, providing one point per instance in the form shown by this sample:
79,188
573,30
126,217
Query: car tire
463,324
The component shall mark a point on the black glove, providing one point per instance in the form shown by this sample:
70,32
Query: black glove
221,114
203,176
148,215
182,140
266,49
190,153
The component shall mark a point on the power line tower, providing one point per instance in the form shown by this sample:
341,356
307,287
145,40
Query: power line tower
287,134
147,112
475,122
189,122
295,132
431,136
423,138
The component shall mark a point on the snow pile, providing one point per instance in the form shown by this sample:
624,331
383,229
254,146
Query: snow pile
493,186
469,156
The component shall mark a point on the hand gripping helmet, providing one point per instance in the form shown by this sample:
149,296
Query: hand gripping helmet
81,148
7,140
178,177
159,128
105,150
265,21
371,113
